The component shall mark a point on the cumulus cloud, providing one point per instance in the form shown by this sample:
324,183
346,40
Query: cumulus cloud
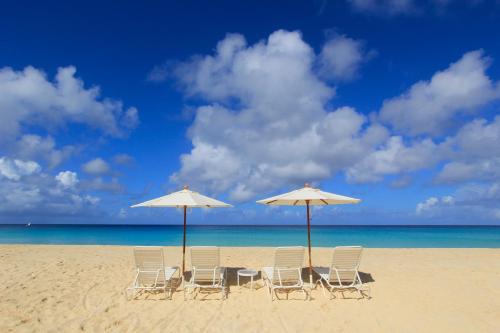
67,178
97,166
30,99
34,110
281,133
30,146
394,158
476,153
14,169
431,107
26,189
265,124
341,57
469,204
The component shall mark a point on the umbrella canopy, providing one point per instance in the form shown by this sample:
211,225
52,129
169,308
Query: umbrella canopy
308,196
183,199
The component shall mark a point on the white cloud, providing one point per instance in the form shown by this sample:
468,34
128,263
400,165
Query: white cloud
30,146
341,57
30,99
34,110
429,206
14,169
67,179
396,158
266,125
422,207
281,133
35,192
477,153
471,203
431,107
457,172
97,166
19,197
263,73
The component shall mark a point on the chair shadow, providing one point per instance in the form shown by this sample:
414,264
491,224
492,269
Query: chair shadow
366,279
232,279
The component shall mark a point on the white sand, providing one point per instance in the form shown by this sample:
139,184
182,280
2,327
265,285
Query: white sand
81,288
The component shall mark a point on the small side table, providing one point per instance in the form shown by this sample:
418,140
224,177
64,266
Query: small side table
247,273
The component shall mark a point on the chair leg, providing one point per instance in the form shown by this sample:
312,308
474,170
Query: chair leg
306,294
322,287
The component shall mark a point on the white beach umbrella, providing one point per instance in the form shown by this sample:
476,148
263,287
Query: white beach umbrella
183,199
308,196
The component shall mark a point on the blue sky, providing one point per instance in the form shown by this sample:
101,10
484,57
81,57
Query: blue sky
103,105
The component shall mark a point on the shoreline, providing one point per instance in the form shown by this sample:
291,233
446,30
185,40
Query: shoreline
81,288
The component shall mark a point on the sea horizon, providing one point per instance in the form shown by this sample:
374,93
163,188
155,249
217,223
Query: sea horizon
250,225
374,236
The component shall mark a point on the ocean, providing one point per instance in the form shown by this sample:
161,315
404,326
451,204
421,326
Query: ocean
323,236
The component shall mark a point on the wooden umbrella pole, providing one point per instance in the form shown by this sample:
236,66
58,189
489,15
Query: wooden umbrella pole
184,245
309,240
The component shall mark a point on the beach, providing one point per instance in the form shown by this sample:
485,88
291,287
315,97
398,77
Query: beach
69,288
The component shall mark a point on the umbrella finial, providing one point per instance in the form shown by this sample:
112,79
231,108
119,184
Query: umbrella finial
186,187
307,185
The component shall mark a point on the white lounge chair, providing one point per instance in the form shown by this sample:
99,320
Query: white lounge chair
152,275
206,271
343,271
286,273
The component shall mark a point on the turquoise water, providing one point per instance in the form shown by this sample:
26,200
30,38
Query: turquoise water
368,236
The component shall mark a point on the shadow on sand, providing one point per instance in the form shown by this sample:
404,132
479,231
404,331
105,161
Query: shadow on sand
232,282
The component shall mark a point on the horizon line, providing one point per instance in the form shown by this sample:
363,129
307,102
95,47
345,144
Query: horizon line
254,225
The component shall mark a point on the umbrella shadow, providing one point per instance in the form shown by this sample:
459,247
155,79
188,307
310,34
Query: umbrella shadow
232,278
231,282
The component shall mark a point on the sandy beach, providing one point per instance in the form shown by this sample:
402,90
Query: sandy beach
81,288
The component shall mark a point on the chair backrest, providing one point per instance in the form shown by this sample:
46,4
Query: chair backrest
345,263
149,262
288,263
205,263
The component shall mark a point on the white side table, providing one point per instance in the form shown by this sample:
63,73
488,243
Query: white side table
247,273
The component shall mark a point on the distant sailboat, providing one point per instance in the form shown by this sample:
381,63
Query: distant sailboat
29,224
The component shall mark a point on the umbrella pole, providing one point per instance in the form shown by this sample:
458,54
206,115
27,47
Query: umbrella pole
184,245
309,241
